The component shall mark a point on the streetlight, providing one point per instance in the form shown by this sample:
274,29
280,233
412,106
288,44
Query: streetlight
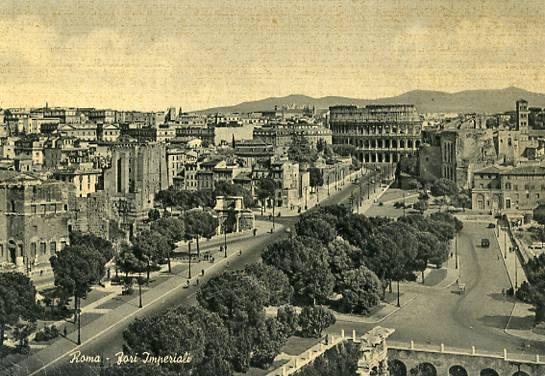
456,250
139,289
328,185
189,252
225,236
398,304
78,312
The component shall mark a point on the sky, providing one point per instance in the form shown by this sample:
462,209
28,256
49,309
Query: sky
153,54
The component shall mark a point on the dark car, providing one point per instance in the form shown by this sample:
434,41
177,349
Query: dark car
485,243
491,225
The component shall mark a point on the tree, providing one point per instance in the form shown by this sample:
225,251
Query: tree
316,178
272,338
224,188
238,299
17,300
289,318
307,268
444,187
180,330
275,282
315,228
171,227
301,151
448,218
266,188
127,262
360,290
234,294
390,251
344,150
313,321
153,214
103,246
539,214
421,205
535,289
151,247
342,257
199,224
76,269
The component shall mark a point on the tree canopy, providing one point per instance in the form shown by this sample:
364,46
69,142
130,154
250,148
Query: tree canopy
17,300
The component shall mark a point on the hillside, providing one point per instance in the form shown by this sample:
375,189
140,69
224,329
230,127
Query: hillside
491,101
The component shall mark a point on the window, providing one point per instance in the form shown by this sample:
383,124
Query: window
508,186
33,249
516,187
42,248
1,250
33,208
53,247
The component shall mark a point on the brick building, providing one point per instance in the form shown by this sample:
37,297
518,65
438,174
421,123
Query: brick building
35,217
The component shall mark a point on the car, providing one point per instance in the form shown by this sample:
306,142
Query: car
485,243
491,225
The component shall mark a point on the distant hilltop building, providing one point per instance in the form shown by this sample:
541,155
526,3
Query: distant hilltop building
380,133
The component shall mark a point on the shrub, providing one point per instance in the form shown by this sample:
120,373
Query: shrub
46,334
314,320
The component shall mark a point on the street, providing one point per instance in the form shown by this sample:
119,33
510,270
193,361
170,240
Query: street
477,318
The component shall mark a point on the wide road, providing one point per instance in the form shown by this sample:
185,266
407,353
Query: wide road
476,318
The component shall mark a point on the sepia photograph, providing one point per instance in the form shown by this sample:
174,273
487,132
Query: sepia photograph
272,188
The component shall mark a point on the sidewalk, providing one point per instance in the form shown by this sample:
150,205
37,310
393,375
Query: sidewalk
113,309
512,264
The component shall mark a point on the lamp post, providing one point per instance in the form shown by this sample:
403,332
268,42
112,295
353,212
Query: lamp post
456,250
78,311
189,252
139,289
328,194
225,236
368,189
398,303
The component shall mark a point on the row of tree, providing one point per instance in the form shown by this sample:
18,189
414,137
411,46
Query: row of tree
362,262
228,330
186,200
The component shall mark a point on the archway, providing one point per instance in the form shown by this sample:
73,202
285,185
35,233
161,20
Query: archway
424,369
457,371
520,373
397,367
489,372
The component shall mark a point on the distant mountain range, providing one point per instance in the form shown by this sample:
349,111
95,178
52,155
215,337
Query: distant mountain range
491,101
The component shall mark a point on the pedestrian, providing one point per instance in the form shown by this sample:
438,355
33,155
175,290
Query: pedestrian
202,272
65,332
240,252
197,282
503,292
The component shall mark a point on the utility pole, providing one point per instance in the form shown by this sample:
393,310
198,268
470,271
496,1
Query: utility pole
404,208
516,274
274,202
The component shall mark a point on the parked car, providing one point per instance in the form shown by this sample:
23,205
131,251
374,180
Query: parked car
491,225
485,243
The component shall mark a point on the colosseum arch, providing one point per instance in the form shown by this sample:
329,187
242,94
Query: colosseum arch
520,373
397,367
489,372
457,371
424,369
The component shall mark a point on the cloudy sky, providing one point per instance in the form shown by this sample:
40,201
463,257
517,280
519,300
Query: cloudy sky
150,54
